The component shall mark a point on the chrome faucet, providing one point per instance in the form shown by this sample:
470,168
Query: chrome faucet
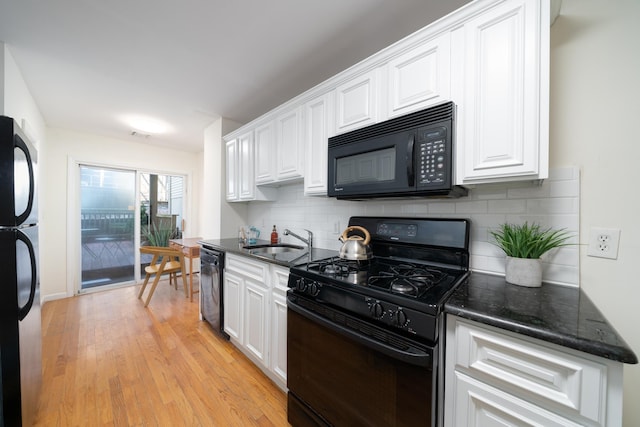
308,241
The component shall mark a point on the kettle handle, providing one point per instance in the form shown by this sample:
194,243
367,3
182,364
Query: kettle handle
367,236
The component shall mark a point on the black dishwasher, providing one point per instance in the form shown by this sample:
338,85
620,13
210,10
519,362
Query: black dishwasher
211,300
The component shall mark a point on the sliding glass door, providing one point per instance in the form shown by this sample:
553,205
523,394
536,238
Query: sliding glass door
161,199
107,225
109,221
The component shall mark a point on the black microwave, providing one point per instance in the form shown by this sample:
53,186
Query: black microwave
407,156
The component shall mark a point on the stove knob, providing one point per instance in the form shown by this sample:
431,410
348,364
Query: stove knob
313,289
400,318
376,309
301,285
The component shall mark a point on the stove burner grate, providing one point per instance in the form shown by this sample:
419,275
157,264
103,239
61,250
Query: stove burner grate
337,266
407,279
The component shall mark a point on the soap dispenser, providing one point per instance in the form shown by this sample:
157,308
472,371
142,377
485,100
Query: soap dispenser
274,236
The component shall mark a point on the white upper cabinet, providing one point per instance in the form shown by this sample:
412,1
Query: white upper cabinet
419,77
357,102
490,57
501,85
246,166
233,192
290,148
279,148
241,183
317,130
265,153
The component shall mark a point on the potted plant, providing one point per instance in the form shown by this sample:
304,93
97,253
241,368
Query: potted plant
524,245
157,236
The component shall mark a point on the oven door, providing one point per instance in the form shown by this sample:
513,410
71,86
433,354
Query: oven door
372,166
346,372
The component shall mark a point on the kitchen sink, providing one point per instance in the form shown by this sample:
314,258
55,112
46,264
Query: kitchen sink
273,249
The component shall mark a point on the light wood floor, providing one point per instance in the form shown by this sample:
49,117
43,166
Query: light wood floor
109,361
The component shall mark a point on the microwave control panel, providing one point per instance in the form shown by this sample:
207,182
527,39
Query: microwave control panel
434,156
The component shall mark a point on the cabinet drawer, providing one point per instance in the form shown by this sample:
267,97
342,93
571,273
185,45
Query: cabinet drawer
248,267
280,279
478,404
526,368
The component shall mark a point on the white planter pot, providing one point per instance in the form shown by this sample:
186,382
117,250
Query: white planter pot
524,272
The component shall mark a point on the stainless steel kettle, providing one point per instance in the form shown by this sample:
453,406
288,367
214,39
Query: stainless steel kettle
355,247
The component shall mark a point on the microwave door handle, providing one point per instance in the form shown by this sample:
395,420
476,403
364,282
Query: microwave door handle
411,174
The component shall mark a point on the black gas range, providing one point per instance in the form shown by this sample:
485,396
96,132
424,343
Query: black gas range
417,263
362,337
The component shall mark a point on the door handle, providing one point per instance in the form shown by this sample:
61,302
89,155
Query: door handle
411,174
24,310
19,143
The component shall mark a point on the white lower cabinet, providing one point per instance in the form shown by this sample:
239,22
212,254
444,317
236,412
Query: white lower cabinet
278,366
499,378
232,299
256,321
255,313
488,406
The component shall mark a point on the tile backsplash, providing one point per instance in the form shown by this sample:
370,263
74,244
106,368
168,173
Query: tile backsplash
554,203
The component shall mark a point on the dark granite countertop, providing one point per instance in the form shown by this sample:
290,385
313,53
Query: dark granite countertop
557,314
286,259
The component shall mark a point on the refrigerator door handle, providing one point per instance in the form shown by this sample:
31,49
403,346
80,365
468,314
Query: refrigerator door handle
24,310
19,143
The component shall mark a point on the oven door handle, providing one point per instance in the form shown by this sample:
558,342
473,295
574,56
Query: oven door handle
413,355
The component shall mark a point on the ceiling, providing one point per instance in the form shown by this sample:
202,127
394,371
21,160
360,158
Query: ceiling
92,64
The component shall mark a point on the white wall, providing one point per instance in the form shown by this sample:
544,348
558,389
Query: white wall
553,204
595,110
60,260
219,218
17,101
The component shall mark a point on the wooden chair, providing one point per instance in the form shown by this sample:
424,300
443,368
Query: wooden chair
165,260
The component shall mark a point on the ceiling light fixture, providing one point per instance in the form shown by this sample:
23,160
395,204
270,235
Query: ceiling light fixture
139,134
146,125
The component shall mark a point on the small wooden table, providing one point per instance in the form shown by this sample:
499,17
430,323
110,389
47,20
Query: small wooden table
191,249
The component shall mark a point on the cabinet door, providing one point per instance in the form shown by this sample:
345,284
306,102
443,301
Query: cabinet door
503,115
551,378
317,119
233,190
420,77
256,322
246,166
233,307
289,158
357,102
265,153
279,338
478,404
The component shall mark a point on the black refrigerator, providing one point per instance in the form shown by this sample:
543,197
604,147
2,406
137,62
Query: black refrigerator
20,325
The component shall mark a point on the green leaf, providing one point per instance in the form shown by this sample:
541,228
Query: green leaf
528,241
158,236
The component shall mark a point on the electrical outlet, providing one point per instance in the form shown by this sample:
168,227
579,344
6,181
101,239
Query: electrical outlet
603,242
